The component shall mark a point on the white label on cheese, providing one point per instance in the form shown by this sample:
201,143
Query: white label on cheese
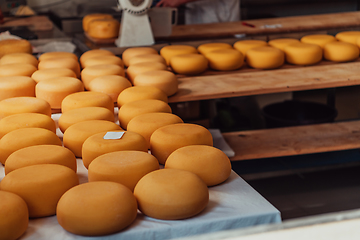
113,135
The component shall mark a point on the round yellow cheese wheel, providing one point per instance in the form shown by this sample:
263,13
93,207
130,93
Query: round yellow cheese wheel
41,186
16,105
135,108
14,216
173,50
96,208
58,54
50,73
96,145
91,72
166,81
171,194
103,59
40,154
87,99
168,138
26,120
244,45
209,163
103,28
265,57
146,58
225,59
19,58
124,167
341,51
348,36
145,124
135,51
64,62
94,53
14,46
281,43
25,137
17,69
209,47
16,86
93,16
138,68
56,89
76,115
303,53
76,134
318,39
135,93
112,85
189,64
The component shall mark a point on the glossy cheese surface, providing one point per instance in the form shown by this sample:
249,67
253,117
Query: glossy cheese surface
189,64
16,86
265,57
135,93
86,99
166,81
341,51
16,105
17,69
225,59
303,53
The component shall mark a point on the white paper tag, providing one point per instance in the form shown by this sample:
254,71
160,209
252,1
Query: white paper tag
113,135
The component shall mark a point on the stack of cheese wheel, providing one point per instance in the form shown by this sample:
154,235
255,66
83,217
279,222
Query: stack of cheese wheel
281,43
100,26
318,39
19,58
244,45
136,93
15,46
17,69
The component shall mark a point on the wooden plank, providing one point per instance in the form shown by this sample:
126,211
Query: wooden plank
288,24
270,81
35,23
298,140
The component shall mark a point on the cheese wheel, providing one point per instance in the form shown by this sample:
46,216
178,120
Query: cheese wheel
244,45
19,58
86,99
168,138
76,134
17,69
16,86
166,81
170,51
14,216
103,59
94,53
91,17
225,59
50,73
265,57
103,28
135,51
209,47
8,46
58,54
96,145
56,89
40,154
125,167
26,120
303,54
145,124
91,72
348,36
96,208
64,62
318,39
16,105
189,64
209,163
281,43
147,58
41,186
171,194
341,51
76,115
25,137
112,85
138,68
135,93
135,108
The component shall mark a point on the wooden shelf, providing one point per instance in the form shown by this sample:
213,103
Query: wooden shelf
278,142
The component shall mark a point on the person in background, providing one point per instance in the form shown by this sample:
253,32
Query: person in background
206,11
